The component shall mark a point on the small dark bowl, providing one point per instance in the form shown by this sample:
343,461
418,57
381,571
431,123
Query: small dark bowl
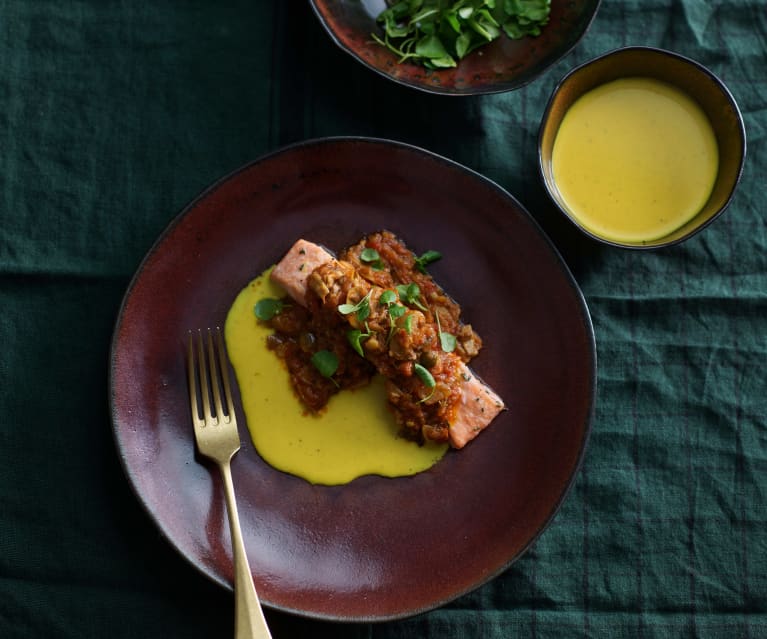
697,82
503,65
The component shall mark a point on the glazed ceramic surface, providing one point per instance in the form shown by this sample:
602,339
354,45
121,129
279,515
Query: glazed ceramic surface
502,65
375,548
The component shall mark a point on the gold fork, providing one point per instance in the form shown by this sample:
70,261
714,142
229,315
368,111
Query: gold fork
218,439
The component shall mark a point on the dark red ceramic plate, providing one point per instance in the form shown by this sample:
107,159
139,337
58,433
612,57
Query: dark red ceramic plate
503,65
376,548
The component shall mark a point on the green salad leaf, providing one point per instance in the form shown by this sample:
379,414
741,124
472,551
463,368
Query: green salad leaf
266,308
326,363
439,33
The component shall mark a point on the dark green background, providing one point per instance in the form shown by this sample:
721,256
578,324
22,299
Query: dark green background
114,115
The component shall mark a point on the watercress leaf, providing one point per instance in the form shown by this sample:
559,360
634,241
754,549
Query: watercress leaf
462,43
483,28
265,309
408,293
369,255
408,324
485,17
394,30
447,341
387,297
363,312
451,17
427,28
397,11
347,309
443,62
429,257
354,337
425,15
325,362
436,33
430,46
424,375
396,311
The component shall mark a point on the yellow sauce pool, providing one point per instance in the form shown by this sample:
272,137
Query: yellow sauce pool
356,435
634,159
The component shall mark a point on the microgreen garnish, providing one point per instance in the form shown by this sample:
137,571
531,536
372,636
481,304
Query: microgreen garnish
361,308
396,311
438,33
355,337
371,256
427,258
326,363
446,340
426,378
387,298
410,293
265,309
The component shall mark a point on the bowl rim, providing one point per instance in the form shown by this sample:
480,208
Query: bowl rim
661,52
455,93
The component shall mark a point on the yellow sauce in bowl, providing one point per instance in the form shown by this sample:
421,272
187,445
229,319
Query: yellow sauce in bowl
355,435
634,159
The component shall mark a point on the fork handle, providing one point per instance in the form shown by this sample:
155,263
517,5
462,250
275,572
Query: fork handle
249,621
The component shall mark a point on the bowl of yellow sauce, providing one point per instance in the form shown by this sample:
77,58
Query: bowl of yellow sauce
641,147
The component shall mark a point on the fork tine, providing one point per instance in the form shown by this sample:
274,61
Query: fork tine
190,368
204,392
212,364
225,375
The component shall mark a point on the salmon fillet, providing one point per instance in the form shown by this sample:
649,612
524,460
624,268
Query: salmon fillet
293,270
479,404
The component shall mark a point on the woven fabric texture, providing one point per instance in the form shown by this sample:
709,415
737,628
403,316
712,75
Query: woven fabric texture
114,115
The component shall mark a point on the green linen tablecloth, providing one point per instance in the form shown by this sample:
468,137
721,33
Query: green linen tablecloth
114,115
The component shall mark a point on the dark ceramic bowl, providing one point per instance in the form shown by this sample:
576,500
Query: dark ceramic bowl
502,66
697,82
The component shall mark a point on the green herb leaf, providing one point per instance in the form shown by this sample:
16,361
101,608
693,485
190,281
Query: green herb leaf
424,375
387,298
397,311
265,309
427,258
410,294
447,341
362,308
355,337
372,257
325,362
525,17
434,33
363,312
